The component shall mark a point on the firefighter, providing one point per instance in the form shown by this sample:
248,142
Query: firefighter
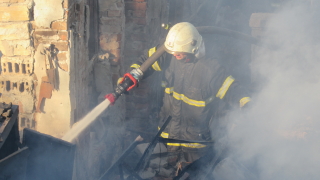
197,91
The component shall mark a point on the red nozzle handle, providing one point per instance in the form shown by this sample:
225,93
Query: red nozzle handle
135,82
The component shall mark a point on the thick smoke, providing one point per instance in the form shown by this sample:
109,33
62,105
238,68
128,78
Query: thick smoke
278,136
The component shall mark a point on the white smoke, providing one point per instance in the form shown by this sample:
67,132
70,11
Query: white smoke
279,135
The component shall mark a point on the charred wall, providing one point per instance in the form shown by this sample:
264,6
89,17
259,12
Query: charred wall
143,31
126,28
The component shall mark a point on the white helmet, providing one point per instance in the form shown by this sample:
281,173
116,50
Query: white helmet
183,37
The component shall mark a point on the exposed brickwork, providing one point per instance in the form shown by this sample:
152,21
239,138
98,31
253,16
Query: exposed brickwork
59,25
16,87
61,45
16,65
16,69
26,120
63,35
46,34
137,6
14,13
22,30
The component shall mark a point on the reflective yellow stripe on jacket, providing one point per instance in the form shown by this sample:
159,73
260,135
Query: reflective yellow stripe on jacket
188,101
185,98
163,134
169,90
135,66
155,65
189,145
243,101
224,88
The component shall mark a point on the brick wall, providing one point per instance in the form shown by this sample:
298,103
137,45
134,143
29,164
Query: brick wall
16,81
45,62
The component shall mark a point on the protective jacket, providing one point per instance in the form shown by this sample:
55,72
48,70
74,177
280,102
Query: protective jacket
196,91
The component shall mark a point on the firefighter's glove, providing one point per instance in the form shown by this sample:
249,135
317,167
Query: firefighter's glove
137,74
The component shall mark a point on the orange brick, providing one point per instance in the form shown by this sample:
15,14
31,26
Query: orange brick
63,35
61,45
45,35
59,25
142,6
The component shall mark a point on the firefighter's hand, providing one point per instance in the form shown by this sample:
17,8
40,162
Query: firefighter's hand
130,80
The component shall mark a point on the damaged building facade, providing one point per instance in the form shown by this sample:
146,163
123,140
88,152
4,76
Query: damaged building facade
60,57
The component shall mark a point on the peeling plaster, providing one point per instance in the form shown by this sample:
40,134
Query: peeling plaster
55,118
47,11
